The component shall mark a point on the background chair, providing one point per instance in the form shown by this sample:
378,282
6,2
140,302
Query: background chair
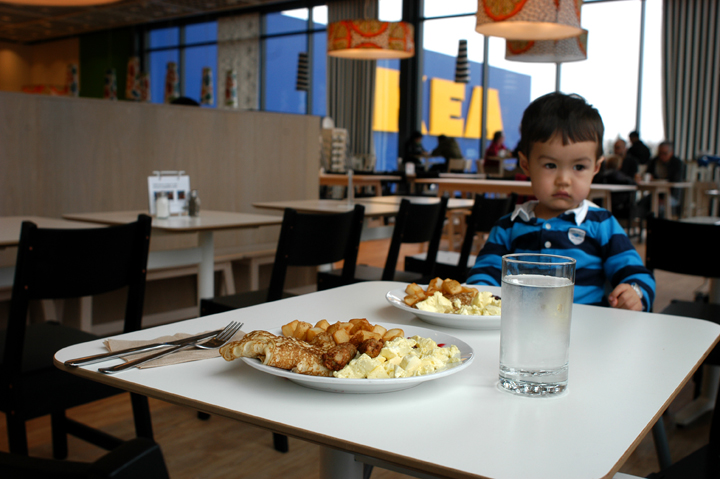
59,264
484,215
690,249
414,223
135,459
305,240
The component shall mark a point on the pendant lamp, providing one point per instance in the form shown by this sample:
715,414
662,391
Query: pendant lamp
462,67
529,19
548,51
301,81
370,40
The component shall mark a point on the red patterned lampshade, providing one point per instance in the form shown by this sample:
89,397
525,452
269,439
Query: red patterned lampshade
550,51
529,19
370,40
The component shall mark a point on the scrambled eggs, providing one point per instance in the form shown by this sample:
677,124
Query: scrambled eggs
402,358
483,304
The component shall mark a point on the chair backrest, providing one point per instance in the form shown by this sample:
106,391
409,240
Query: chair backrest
457,165
484,215
69,263
316,239
683,247
416,223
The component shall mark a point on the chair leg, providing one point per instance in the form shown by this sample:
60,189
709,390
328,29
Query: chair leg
141,414
17,435
203,416
662,448
59,435
280,442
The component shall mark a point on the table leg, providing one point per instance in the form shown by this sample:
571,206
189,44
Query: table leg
656,203
206,273
336,464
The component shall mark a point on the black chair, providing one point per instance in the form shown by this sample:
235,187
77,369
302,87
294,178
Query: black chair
305,240
691,249
454,265
59,264
135,459
414,223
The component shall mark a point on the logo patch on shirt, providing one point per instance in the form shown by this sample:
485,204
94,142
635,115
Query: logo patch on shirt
576,236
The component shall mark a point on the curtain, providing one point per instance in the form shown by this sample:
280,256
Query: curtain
351,86
691,57
239,50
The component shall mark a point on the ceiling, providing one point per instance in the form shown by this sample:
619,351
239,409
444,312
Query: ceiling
28,24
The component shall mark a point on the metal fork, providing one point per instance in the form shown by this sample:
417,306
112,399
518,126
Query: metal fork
213,343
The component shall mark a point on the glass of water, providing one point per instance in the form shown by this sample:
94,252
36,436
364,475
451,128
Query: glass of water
537,297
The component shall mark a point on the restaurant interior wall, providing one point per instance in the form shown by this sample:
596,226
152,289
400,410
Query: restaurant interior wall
73,155
34,66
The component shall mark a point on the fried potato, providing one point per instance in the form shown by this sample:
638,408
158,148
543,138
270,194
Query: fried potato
333,327
323,323
414,290
360,324
301,330
361,336
341,336
312,333
393,333
289,328
347,327
450,287
435,285
380,330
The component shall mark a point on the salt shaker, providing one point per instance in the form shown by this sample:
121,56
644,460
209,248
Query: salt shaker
162,206
194,204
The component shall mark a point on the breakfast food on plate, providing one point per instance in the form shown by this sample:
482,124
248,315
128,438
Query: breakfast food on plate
354,349
449,296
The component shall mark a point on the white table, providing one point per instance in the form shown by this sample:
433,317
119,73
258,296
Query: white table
663,187
358,180
204,225
625,368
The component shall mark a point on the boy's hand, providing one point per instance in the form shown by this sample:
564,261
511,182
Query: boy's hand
625,297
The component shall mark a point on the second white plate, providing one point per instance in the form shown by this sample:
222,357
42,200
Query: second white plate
457,321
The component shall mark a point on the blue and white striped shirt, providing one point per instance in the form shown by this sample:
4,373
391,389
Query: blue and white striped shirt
589,234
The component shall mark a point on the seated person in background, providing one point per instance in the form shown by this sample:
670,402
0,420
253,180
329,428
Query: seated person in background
561,151
449,149
497,146
613,175
629,165
666,166
414,151
638,149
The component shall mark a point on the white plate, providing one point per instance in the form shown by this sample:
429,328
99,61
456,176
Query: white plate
458,321
372,386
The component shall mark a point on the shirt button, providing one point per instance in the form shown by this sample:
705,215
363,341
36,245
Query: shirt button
547,226
548,244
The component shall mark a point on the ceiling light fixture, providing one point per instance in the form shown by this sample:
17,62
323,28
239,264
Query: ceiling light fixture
370,40
529,19
548,51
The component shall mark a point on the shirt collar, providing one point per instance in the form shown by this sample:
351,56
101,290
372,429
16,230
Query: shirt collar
526,211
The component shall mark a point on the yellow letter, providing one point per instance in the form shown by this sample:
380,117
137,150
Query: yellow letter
446,99
387,100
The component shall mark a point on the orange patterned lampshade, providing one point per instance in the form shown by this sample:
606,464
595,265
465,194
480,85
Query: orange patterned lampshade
550,51
529,19
370,40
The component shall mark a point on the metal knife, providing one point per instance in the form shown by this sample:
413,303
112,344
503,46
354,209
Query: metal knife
96,358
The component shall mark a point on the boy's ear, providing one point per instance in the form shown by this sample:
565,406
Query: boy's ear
598,163
523,161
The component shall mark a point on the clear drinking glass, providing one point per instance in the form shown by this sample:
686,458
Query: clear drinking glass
537,297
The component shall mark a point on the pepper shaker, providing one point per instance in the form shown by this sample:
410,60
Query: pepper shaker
194,204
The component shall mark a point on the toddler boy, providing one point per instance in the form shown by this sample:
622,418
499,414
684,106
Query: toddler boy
561,150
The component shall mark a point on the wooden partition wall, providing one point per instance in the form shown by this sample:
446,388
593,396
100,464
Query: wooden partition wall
61,155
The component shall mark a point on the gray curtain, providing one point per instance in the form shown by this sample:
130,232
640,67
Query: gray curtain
691,65
351,84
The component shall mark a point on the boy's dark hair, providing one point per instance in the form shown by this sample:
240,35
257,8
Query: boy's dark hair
570,116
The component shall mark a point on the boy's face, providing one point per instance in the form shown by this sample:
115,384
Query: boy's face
561,175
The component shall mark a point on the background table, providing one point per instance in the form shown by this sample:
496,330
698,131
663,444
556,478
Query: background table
205,224
662,187
375,181
451,185
625,369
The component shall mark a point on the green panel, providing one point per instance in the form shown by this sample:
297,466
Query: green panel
101,51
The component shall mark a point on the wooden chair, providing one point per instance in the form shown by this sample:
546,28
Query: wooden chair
414,223
450,264
690,249
60,264
137,458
